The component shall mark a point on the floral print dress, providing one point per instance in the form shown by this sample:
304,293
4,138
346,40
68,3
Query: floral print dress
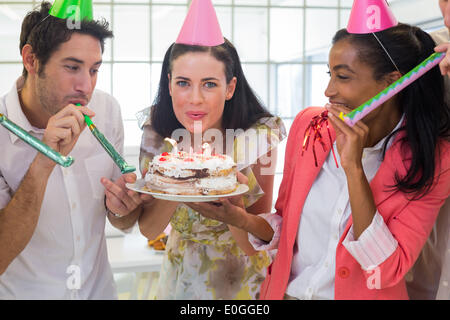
202,260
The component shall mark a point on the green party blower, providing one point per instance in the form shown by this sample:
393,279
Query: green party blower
35,143
121,163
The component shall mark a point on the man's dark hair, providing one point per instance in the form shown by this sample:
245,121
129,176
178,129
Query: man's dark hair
46,33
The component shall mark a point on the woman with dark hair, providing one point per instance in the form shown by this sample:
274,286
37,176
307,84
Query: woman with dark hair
240,112
203,260
204,95
363,223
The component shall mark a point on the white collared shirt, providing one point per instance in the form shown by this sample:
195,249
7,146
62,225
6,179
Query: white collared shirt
324,218
66,257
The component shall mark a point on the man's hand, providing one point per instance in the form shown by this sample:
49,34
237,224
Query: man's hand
121,200
63,130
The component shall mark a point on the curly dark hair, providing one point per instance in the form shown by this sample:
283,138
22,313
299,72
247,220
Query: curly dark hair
45,33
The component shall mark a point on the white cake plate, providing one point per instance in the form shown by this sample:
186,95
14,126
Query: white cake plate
140,183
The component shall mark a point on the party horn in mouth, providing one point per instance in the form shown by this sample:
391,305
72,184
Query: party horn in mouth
360,112
36,143
121,163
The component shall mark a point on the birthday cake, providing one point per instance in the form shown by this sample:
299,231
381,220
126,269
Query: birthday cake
184,173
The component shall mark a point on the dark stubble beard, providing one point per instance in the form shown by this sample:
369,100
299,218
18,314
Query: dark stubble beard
45,94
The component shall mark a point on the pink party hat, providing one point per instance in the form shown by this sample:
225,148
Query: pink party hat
201,26
370,16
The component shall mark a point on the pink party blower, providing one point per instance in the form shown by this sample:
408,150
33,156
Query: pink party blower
363,110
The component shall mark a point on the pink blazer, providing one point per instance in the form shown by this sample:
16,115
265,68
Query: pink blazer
410,222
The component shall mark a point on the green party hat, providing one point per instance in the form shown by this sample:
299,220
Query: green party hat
77,10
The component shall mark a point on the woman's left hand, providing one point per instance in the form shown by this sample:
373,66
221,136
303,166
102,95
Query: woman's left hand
350,141
228,210
222,210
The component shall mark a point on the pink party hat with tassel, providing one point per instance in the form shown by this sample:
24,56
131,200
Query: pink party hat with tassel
201,27
370,16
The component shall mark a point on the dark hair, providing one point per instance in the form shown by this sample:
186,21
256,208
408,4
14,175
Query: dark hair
240,112
423,103
46,33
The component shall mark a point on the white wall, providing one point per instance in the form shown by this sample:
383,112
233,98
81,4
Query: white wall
417,12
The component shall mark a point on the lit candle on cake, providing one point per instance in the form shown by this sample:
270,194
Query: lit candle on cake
174,145
206,149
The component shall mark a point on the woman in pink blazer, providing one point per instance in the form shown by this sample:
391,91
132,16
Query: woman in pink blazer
354,231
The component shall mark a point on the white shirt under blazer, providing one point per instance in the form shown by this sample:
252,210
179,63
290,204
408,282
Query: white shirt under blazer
324,217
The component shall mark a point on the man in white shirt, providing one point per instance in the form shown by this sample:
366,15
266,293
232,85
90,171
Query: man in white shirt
52,218
429,279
